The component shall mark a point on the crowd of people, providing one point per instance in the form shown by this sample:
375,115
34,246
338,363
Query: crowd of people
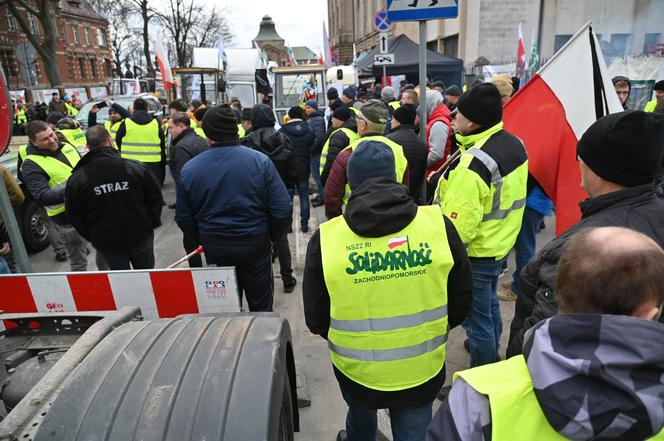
417,236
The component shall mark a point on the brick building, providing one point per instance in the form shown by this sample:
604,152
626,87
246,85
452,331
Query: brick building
82,49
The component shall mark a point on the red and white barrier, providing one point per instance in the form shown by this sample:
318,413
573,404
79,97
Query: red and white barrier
159,293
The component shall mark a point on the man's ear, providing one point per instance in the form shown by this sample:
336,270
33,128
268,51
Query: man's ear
648,311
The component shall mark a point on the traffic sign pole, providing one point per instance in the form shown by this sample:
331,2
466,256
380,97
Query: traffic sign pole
423,91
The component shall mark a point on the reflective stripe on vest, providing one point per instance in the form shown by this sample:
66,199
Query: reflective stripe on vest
141,143
75,137
379,337
516,414
112,129
57,171
401,163
352,136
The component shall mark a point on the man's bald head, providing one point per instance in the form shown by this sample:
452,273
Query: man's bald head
610,270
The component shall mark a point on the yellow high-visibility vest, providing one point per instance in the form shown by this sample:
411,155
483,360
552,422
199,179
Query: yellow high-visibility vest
141,142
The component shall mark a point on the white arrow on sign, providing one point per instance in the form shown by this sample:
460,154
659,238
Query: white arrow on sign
406,5
383,41
383,59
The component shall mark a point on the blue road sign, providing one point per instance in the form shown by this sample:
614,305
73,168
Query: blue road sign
381,22
411,10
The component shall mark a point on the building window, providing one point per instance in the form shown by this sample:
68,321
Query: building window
81,67
93,67
11,21
88,37
74,31
560,41
32,24
101,38
619,43
650,40
451,46
108,69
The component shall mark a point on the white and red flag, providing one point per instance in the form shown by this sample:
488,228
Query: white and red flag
397,242
164,65
551,113
520,55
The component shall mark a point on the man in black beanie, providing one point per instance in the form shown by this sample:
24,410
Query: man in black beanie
403,133
344,131
483,192
231,199
619,156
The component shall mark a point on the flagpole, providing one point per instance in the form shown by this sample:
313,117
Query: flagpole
560,51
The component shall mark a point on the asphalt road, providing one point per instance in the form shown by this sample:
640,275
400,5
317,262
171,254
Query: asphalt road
326,415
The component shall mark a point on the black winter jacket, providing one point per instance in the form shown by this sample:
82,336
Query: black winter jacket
338,142
302,139
377,208
278,147
184,147
317,123
114,203
636,207
416,154
36,181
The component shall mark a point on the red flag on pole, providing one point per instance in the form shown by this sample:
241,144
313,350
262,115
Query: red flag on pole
551,113
164,65
520,55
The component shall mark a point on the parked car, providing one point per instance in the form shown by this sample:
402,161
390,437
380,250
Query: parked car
154,107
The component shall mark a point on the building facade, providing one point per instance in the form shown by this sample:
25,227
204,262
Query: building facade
489,28
82,50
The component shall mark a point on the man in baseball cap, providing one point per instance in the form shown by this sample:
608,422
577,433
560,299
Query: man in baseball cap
371,122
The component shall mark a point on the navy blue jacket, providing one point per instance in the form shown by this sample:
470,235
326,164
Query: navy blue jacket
231,192
317,123
302,139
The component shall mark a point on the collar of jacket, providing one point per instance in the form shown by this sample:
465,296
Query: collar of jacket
468,141
34,150
627,195
403,127
97,153
230,143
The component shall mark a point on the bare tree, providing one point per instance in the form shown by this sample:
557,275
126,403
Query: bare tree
146,13
189,24
45,44
119,15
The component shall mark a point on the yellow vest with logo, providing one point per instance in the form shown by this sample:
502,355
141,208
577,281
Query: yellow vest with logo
516,415
650,106
395,105
75,137
401,163
141,142
58,172
502,211
352,136
388,301
112,129
21,117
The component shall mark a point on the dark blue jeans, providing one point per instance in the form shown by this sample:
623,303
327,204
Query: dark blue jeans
315,172
408,423
303,194
4,268
253,268
484,326
525,245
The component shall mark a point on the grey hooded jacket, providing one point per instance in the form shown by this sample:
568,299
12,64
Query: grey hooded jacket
596,377
439,130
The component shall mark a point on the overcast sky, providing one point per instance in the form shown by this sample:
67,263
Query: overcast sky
299,22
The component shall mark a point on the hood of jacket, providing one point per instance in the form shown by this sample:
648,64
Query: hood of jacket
379,207
141,117
598,376
434,99
296,129
103,152
267,140
262,116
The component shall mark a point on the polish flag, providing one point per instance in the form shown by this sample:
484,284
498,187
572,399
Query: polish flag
520,55
397,242
164,65
551,113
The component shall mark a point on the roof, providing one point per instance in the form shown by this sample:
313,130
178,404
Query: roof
267,31
304,53
79,8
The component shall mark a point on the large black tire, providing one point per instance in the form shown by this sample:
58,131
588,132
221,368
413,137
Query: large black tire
35,233
191,378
